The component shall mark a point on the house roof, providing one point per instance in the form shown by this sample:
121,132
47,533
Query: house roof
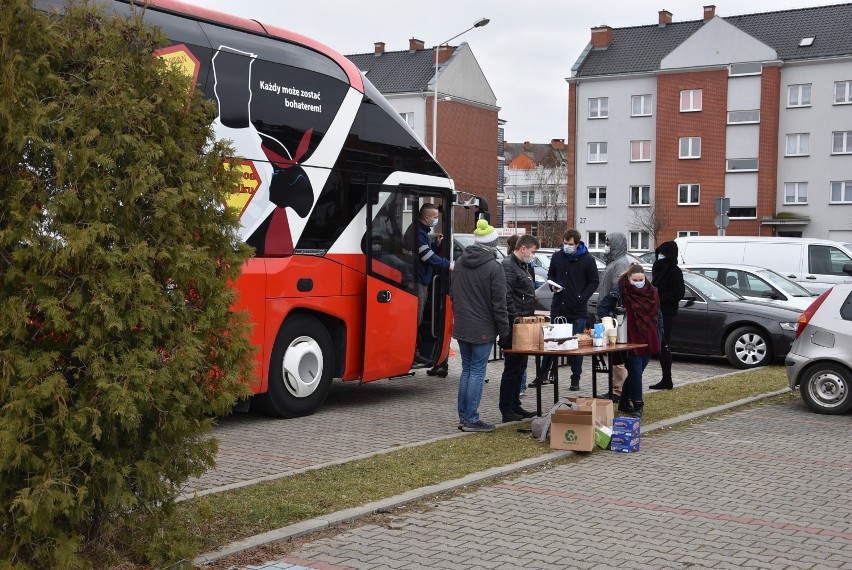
398,71
526,155
642,48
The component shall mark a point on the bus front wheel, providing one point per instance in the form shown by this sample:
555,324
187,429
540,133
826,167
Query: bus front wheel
300,370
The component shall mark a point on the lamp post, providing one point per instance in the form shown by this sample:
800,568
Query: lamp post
513,200
478,24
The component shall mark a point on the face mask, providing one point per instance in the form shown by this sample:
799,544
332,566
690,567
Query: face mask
661,256
606,249
569,248
638,284
434,222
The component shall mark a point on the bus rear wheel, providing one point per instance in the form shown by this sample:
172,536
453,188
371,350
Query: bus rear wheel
300,369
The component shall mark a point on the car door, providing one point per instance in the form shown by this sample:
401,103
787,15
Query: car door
690,329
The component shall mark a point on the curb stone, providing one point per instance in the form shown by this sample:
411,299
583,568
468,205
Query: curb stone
362,511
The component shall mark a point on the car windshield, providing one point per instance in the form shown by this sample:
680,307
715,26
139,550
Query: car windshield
787,286
544,258
709,288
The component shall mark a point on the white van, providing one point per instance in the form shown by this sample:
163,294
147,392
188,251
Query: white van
814,263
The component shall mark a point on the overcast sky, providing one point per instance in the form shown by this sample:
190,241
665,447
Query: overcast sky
526,51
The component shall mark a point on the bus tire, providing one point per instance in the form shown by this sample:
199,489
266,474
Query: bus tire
300,369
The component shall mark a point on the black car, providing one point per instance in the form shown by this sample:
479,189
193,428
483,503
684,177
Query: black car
712,319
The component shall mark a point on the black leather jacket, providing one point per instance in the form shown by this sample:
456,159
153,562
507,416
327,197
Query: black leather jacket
520,287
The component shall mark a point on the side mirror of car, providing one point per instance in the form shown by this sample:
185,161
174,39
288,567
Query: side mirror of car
774,295
689,300
847,268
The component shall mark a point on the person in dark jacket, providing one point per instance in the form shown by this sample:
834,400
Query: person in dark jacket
520,302
478,292
575,272
668,279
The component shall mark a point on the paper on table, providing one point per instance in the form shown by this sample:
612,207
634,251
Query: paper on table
554,284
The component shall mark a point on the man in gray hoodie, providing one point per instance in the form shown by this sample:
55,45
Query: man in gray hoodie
478,292
615,257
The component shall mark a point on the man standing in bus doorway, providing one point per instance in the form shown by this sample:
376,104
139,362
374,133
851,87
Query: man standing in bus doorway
478,292
575,273
428,261
520,302
668,279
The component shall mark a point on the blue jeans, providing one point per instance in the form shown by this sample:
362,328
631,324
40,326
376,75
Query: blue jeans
632,389
474,359
578,324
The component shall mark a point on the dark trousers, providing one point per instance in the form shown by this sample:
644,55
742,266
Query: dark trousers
665,353
510,383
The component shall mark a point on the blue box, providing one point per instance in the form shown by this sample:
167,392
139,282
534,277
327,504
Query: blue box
623,424
624,444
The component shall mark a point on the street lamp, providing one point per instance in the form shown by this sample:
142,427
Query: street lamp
513,200
478,24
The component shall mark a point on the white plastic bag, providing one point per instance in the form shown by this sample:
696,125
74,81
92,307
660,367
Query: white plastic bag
559,329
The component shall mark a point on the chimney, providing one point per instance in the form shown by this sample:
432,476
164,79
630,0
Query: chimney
601,37
444,52
415,44
380,48
709,12
526,145
665,18
557,144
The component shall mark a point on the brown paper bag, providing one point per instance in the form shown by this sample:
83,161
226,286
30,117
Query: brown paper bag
526,333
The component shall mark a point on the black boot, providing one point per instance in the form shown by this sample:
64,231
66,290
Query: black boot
662,385
439,370
625,407
638,407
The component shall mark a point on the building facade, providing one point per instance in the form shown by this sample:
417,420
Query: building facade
467,126
668,119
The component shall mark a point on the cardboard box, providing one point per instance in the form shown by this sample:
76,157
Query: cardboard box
601,408
572,429
624,444
623,424
603,435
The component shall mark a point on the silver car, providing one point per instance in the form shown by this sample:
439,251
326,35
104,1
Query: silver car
820,360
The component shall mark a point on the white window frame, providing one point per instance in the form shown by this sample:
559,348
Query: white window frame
799,191
644,148
691,201
600,154
844,189
596,239
799,89
799,148
744,69
527,198
406,204
643,239
846,88
408,118
845,142
736,216
598,107
734,117
599,200
644,194
729,170
645,108
687,233
691,152
691,105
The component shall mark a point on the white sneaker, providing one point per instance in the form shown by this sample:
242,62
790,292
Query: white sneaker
523,392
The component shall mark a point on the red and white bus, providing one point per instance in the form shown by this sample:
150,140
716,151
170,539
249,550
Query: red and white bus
328,167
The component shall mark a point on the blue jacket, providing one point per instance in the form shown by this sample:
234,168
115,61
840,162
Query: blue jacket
427,252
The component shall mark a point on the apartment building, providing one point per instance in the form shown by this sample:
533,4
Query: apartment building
666,119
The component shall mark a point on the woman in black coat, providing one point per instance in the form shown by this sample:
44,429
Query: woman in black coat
668,280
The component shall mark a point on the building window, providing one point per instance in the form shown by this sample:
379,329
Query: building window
741,165
841,192
597,152
597,196
743,117
599,108
841,142
408,118
640,241
406,204
596,240
795,192
690,147
738,69
640,195
687,233
842,92
749,213
799,95
527,198
798,144
640,106
640,151
688,194
690,100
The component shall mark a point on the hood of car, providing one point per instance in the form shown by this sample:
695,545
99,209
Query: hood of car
761,309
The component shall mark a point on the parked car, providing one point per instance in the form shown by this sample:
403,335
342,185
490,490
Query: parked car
820,361
544,296
813,263
461,241
648,257
757,283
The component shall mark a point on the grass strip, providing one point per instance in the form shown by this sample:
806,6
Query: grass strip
222,518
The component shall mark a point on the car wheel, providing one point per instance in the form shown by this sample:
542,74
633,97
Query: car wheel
748,347
300,370
826,388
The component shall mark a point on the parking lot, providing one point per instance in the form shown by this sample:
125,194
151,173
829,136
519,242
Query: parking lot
359,420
